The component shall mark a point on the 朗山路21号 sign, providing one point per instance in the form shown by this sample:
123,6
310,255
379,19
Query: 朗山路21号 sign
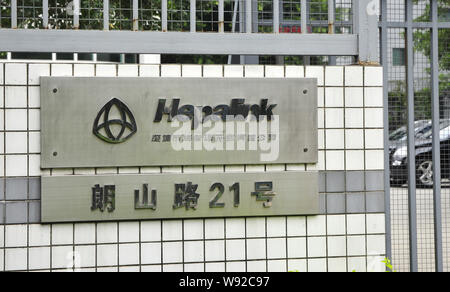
163,196
115,122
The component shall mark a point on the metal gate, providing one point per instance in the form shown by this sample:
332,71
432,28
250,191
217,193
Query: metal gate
416,58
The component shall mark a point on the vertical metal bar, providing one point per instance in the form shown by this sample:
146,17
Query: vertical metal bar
13,13
248,16
193,16
276,16
221,16
255,23
45,13
76,14
233,24
164,15
242,25
106,14
304,16
436,136
331,16
331,21
355,20
366,24
387,175
304,19
412,203
135,15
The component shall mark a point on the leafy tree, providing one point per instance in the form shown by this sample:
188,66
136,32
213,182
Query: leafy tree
422,97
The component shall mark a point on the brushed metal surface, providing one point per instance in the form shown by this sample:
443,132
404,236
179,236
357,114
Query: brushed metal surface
69,106
69,198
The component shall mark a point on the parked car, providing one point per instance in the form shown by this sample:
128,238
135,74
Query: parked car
424,163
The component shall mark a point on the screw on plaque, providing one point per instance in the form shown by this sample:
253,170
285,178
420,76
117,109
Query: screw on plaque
305,91
55,90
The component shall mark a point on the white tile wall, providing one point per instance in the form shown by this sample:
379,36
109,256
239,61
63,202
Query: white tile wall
85,256
336,225
297,247
334,76
149,71
356,224
317,265
39,235
35,71
128,71
107,255
354,96
193,229
107,232
170,70
214,250
1,74
256,249
334,97
85,233
62,234
315,72
16,74
39,258
15,96
235,250
373,76
106,70
274,71
129,232
295,71
172,252
16,259
128,254
348,140
214,228
316,225
151,253
234,71
354,76
337,246
84,70
16,236
254,71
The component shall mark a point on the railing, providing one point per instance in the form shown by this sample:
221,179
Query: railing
221,27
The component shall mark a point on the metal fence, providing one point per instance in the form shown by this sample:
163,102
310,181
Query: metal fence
415,55
222,27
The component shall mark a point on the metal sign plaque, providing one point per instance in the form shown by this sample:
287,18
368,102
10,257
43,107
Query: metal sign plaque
166,196
114,122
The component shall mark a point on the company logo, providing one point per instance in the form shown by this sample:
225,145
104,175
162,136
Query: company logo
114,123
201,114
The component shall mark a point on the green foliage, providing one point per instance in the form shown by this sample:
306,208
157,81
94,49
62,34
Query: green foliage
422,38
389,267
422,98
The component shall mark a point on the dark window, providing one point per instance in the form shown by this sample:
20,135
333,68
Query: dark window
398,57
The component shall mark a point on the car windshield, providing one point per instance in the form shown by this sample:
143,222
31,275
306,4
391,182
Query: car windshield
398,134
421,127
444,132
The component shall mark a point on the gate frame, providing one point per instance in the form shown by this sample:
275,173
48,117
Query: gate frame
409,25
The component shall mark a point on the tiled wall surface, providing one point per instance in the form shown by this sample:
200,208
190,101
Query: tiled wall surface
348,235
